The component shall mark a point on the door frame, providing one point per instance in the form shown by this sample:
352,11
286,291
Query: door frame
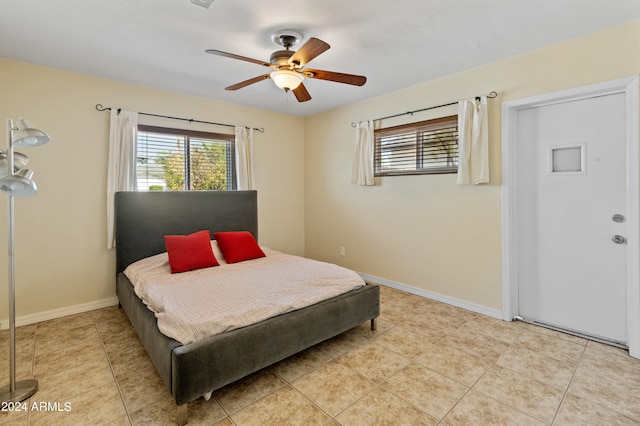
511,187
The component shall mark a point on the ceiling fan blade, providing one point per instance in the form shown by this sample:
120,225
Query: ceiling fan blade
338,77
302,95
248,82
234,56
310,50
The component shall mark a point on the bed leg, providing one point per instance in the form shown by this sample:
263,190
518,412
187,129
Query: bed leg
183,414
374,324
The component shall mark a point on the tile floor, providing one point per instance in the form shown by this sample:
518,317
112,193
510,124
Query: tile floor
427,364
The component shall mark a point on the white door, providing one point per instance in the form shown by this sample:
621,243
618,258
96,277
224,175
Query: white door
572,216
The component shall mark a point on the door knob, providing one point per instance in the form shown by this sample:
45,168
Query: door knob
618,239
617,218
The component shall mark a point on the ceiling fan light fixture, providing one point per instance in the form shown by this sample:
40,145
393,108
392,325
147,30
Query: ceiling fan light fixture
286,79
289,66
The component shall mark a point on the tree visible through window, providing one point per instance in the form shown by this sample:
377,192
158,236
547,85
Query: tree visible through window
175,160
419,148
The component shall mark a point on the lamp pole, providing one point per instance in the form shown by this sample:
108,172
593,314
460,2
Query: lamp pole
12,274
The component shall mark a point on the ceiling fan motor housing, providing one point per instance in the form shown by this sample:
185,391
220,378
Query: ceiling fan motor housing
280,58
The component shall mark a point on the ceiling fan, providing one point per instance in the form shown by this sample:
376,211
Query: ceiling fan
288,65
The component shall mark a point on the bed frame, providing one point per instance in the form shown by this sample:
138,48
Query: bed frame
192,370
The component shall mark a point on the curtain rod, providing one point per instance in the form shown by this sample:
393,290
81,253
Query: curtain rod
491,95
99,107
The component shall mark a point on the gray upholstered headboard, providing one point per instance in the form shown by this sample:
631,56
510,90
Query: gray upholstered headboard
144,218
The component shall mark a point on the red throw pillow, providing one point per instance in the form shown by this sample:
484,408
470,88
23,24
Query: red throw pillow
189,252
238,246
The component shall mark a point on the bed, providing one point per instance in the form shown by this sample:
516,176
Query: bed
192,370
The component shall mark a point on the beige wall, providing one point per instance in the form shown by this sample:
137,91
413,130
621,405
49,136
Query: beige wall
427,232
62,262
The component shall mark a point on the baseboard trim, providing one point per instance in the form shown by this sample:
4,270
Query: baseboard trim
473,307
60,312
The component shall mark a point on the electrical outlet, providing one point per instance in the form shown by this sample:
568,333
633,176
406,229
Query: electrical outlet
343,252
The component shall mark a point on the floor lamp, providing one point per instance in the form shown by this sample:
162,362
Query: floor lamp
16,182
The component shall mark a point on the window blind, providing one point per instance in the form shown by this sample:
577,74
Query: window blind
425,147
173,159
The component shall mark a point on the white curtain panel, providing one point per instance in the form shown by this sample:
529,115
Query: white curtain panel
244,160
362,171
473,141
121,175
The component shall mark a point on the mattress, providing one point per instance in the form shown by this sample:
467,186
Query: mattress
194,305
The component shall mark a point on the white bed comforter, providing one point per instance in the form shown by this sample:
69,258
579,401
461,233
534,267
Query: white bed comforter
193,305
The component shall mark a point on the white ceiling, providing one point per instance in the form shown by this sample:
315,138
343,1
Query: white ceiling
395,43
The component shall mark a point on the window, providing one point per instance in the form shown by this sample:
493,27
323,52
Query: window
419,148
567,159
174,160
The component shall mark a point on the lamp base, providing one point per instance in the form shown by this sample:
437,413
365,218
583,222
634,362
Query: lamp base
24,389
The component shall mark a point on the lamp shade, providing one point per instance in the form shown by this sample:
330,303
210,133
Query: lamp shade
19,185
19,162
287,80
25,135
